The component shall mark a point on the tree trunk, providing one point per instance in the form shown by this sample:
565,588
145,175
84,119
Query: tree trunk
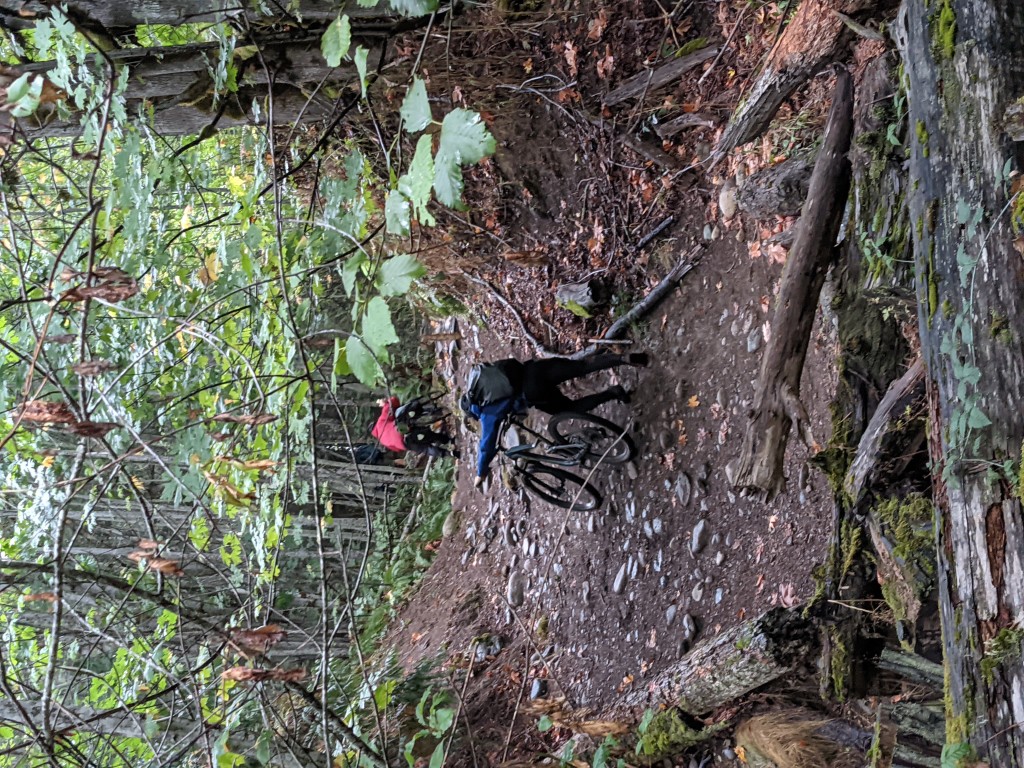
740,660
964,73
814,38
777,399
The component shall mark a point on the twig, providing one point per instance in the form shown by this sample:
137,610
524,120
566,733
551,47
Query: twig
649,302
725,45
538,347
515,712
655,232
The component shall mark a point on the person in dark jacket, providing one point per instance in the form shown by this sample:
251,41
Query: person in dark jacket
535,384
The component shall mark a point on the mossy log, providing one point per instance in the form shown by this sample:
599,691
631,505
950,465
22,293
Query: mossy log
893,436
723,668
911,667
965,79
777,403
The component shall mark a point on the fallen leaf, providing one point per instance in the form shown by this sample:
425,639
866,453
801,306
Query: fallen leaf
256,675
92,367
46,412
92,428
652,641
163,565
595,27
249,419
759,583
258,640
48,597
772,522
787,595
693,402
626,682
606,65
528,66
570,57
682,438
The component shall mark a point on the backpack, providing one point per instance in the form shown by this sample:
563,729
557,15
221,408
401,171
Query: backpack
488,383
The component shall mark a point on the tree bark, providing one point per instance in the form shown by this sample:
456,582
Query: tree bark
645,82
732,664
776,401
965,74
814,38
886,447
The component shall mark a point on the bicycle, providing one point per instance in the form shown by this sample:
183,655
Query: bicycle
573,440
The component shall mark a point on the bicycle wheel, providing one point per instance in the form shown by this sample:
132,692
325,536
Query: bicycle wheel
599,435
559,487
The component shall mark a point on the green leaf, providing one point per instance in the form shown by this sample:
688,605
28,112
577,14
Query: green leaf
17,90
336,41
465,137
414,7
368,3
263,748
359,58
382,696
437,758
957,755
361,361
397,213
441,719
976,419
576,308
350,271
418,182
963,211
544,724
378,330
415,110
448,181
397,274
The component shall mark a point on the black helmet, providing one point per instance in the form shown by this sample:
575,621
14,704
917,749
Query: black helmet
465,402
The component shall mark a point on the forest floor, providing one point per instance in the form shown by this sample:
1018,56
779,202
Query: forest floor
565,199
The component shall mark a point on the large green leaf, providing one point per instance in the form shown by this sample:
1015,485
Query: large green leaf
414,7
465,137
448,181
378,330
336,41
397,213
415,110
361,361
417,183
397,273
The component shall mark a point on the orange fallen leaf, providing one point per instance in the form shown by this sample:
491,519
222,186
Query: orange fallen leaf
693,402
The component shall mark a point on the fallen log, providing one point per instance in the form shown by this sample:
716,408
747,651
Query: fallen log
777,405
643,82
814,38
721,669
687,120
964,77
892,438
911,667
648,302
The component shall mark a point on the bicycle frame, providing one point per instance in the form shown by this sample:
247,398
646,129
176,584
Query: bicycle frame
561,455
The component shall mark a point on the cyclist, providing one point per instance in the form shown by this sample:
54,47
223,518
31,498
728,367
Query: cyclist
535,384
415,437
